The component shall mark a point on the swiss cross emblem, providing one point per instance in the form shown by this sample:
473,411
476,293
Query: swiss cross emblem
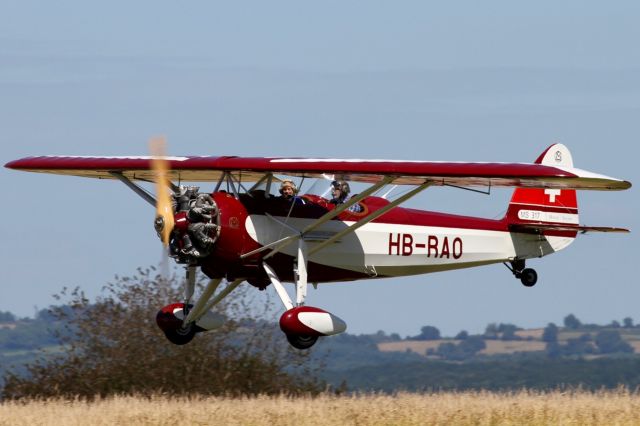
552,193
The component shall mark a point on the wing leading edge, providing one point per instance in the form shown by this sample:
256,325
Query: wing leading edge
207,169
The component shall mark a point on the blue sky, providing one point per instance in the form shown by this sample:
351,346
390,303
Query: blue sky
476,81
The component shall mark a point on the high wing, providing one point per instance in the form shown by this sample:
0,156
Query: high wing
204,169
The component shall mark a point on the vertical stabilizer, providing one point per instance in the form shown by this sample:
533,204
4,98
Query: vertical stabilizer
538,206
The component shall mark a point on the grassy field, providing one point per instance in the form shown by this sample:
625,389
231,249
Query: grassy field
619,407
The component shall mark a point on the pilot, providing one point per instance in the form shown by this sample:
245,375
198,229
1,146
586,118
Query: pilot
288,189
339,192
289,192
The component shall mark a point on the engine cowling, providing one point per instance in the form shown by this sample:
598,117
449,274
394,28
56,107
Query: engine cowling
233,239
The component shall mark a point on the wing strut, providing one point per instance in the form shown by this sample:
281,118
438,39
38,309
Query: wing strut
371,217
256,185
135,188
282,292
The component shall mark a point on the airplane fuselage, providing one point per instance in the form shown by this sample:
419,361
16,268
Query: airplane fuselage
401,242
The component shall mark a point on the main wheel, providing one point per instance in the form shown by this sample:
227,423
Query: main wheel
302,341
529,277
182,335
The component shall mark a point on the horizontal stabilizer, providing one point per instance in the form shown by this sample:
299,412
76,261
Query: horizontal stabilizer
542,227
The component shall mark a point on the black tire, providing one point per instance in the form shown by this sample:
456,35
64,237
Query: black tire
182,335
301,341
528,277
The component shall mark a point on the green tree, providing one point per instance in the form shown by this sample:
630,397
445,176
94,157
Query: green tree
610,341
579,346
508,332
462,335
466,349
627,322
7,317
553,349
571,322
550,333
472,345
428,332
491,332
113,346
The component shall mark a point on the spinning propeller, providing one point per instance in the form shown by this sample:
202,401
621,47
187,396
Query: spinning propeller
164,221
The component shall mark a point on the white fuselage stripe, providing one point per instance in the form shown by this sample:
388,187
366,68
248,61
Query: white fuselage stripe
398,249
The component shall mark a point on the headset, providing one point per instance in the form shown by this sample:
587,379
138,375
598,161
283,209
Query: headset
342,186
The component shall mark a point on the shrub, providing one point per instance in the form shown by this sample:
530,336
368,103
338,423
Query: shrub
113,346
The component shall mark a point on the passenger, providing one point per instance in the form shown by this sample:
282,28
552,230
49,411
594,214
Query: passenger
339,192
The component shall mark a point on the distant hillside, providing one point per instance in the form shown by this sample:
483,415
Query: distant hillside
500,375
525,341
503,357
24,340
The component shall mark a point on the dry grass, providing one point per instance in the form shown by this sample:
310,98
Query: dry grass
511,346
494,347
535,333
417,346
618,407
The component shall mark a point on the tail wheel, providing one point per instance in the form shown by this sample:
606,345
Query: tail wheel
528,277
302,341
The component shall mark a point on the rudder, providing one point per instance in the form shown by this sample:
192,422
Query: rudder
530,206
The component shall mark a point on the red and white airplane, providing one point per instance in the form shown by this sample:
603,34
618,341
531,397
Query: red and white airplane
247,233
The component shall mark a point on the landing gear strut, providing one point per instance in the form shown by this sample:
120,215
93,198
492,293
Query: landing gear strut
527,276
302,324
181,321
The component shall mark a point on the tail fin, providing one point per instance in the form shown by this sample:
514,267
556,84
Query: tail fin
554,210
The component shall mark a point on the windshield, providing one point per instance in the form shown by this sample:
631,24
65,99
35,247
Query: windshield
320,187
